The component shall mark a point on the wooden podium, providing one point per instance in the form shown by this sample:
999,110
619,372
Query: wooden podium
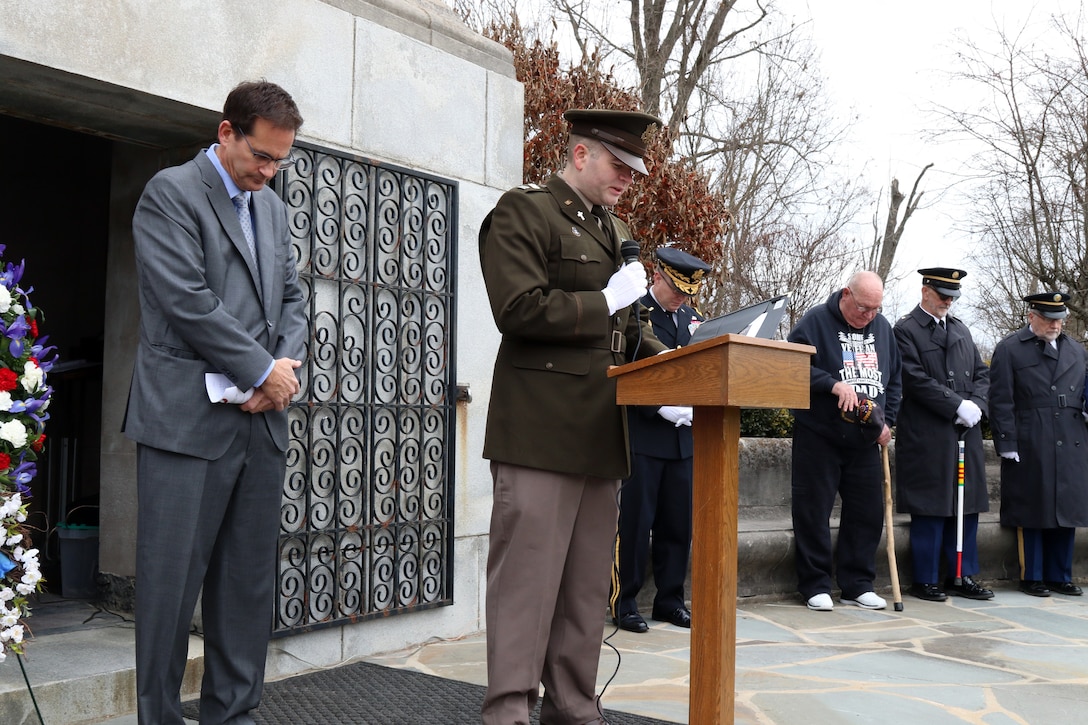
717,377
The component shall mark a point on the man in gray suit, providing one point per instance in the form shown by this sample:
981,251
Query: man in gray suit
221,307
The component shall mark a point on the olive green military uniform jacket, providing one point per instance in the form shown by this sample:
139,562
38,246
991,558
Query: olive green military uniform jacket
545,261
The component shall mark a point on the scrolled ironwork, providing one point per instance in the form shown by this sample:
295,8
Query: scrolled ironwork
366,518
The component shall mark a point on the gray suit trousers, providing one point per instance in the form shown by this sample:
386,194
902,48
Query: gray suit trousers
210,524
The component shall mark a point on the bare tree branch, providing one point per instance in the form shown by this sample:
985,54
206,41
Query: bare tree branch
1030,207
882,254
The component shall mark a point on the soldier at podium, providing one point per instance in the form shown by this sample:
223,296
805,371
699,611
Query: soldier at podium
856,364
566,305
657,496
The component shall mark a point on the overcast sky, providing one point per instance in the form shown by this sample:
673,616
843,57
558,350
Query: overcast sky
890,63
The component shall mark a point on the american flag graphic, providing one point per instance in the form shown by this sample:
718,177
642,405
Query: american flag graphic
866,359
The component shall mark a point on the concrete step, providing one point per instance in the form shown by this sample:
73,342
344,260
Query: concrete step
81,667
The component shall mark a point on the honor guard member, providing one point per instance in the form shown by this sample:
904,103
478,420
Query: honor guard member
657,496
563,299
1036,404
945,390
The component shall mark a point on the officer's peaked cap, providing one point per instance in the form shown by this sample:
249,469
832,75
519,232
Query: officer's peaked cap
685,270
945,280
1049,304
622,132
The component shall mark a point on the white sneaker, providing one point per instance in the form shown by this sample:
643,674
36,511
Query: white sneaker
868,600
821,603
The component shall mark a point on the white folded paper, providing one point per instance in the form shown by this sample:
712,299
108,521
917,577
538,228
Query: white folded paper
220,390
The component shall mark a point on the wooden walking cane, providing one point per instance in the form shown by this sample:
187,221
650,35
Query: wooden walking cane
893,570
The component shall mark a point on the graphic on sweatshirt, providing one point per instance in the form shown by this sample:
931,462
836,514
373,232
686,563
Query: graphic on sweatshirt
860,364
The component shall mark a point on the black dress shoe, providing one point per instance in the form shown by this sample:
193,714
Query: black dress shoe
680,616
969,588
1034,588
929,592
632,622
1067,588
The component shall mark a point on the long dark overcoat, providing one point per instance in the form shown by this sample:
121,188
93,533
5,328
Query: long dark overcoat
941,368
1036,399
545,261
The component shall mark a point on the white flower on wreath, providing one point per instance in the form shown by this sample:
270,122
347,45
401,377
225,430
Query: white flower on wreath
5,299
11,506
32,376
14,432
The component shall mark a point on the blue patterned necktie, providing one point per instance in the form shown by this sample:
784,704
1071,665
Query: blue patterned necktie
242,208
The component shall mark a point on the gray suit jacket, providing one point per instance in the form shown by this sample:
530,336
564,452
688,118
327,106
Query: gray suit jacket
202,311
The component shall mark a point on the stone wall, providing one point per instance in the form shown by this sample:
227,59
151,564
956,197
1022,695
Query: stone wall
397,81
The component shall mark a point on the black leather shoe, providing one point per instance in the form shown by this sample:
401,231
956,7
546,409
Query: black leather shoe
1067,588
969,588
680,616
929,592
632,622
1034,588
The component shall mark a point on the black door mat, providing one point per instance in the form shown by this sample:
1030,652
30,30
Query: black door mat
368,694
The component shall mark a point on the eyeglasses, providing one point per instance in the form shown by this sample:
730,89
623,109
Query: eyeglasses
861,308
264,159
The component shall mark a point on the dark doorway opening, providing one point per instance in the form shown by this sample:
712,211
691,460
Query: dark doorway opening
54,200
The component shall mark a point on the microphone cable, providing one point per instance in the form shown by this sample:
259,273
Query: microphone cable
614,596
629,249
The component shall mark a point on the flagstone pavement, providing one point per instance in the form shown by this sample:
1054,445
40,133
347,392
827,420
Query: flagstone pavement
1015,659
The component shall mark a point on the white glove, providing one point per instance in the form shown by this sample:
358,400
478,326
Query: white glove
968,414
1012,456
626,286
678,414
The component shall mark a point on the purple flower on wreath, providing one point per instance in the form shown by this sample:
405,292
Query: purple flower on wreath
29,406
39,350
24,490
12,273
17,332
23,474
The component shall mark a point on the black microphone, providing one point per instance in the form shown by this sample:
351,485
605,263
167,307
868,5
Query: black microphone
629,249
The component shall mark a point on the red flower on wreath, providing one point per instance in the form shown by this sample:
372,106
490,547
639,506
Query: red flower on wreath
5,462
8,379
33,329
38,444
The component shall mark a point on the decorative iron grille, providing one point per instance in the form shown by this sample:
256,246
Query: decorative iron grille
366,527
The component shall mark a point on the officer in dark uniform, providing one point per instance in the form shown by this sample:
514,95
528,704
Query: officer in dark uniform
657,497
945,390
564,302
1036,405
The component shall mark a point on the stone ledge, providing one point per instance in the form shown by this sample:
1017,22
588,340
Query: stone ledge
765,553
765,556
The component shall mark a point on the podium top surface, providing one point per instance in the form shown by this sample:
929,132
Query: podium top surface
730,370
731,339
